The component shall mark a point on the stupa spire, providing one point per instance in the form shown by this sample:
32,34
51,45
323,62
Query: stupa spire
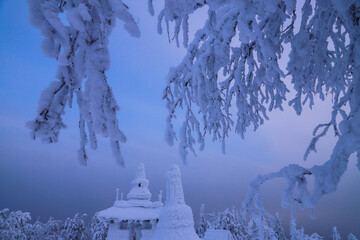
139,190
176,220
174,189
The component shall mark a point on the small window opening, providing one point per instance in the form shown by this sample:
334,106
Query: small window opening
139,184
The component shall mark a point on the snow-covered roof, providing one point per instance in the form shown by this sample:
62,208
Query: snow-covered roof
212,234
137,203
138,206
130,213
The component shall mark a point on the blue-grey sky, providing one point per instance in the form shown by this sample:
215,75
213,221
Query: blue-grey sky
47,180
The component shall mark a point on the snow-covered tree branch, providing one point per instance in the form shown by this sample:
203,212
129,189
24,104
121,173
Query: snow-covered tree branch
233,63
80,46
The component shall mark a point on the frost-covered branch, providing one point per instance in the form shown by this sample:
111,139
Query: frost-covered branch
244,41
80,46
233,63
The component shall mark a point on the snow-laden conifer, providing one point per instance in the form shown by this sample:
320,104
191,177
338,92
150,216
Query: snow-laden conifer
202,224
99,228
14,225
75,228
336,234
298,234
352,237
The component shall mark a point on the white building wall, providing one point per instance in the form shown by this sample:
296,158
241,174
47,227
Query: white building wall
115,233
147,234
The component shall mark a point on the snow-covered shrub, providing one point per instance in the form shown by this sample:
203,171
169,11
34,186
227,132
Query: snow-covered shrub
99,228
226,220
352,237
202,224
298,234
14,225
336,234
275,223
74,228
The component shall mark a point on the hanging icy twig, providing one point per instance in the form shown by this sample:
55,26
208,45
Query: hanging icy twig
81,49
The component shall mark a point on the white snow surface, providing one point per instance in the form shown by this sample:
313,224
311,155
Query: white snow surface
137,203
130,213
212,234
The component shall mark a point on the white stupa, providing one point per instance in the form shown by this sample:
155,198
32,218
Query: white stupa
139,191
176,219
134,218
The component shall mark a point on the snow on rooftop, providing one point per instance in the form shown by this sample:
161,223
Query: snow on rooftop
138,206
130,213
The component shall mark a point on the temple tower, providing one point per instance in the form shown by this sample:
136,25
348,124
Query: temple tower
176,219
134,218
139,190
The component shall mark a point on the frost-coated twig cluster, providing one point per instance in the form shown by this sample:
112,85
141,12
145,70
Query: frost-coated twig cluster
76,34
233,64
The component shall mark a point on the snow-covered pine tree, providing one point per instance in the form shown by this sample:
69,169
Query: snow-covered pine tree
336,234
227,220
99,228
74,228
258,228
352,237
275,224
298,234
202,224
53,228
14,225
37,231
